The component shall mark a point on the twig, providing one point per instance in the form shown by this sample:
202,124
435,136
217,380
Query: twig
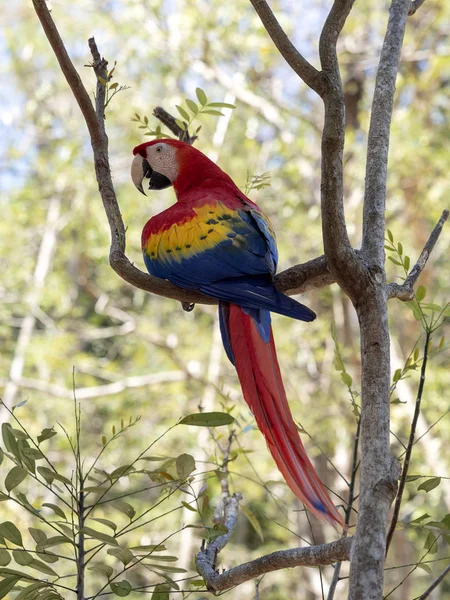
412,433
348,510
311,556
414,7
379,135
435,583
298,63
405,291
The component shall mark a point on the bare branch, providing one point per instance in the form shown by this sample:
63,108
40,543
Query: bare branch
436,582
342,261
169,121
379,134
414,7
405,291
311,556
108,389
298,63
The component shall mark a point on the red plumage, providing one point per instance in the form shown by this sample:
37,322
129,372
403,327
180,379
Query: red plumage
260,377
236,265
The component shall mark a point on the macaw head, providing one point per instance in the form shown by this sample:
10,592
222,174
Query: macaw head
169,162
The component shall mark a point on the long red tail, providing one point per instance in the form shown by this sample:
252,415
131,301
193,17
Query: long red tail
259,373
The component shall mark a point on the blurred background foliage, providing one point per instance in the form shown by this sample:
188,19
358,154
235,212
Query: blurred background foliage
63,309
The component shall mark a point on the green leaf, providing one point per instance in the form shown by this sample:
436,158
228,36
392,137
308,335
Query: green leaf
5,557
22,557
26,593
47,557
2,456
400,248
412,477
188,506
102,568
181,125
216,531
201,96
446,521
47,474
146,549
98,535
253,522
212,112
121,588
124,507
183,113
113,85
406,262
207,419
346,378
42,567
124,470
424,567
395,261
56,540
430,484
58,511
421,518
397,375
165,558
105,522
161,592
14,477
390,236
10,441
33,453
7,584
37,534
123,554
192,106
46,434
421,293
222,105
185,464
104,440
10,532
430,543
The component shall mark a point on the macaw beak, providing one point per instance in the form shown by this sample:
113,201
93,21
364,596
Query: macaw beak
141,169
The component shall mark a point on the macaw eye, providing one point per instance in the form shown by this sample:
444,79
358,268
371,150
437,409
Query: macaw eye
158,148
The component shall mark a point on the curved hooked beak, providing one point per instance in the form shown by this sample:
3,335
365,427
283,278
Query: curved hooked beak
141,169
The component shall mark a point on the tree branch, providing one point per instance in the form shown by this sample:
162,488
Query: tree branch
170,122
405,291
324,554
311,556
342,260
414,7
298,63
379,134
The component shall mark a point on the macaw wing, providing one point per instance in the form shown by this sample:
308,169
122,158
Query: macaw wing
214,243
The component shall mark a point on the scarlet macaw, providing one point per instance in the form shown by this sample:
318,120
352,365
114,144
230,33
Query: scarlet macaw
217,241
